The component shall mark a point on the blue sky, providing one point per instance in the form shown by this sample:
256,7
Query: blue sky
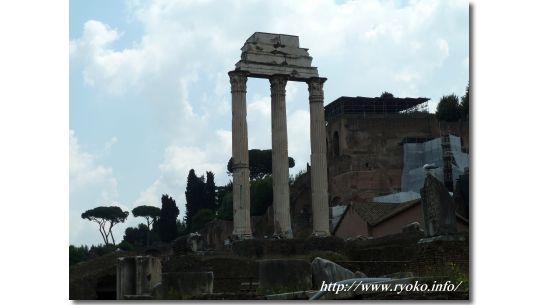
149,91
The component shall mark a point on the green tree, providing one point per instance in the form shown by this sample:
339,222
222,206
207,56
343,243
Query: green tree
195,195
101,250
106,218
210,192
181,227
167,222
126,246
136,236
150,213
201,218
260,163
78,254
464,104
225,202
261,195
386,95
448,108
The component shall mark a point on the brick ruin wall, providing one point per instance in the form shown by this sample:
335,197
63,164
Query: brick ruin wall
365,153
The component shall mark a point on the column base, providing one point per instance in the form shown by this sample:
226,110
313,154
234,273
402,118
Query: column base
283,235
321,234
238,236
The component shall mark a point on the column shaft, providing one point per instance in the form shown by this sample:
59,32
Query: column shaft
318,174
241,173
280,166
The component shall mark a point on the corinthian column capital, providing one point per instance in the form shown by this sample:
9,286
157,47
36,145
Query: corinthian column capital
278,84
315,88
238,80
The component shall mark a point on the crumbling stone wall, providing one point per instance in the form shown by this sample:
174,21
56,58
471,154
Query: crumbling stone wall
441,257
96,278
229,271
369,161
403,253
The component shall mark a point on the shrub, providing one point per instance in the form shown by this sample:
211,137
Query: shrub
78,254
448,108
201,218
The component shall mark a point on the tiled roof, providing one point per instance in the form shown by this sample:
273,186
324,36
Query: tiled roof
375,213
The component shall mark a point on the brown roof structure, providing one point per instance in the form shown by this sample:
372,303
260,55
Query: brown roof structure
363,105
374,213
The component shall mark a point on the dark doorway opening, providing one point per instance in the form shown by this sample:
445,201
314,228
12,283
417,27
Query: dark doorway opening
336,144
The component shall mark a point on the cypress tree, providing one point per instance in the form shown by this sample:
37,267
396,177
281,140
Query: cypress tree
210,192
195,195
167,222
190,197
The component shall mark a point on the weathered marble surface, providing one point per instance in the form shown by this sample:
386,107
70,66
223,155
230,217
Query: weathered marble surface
265,54
439,209
280,168
324,270
137,275
241,172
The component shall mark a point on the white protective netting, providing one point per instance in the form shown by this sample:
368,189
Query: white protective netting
397,197
430,152
461,159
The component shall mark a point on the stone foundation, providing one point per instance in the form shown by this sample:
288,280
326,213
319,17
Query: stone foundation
137,275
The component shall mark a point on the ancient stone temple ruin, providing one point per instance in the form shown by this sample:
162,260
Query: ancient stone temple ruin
372,142
279,59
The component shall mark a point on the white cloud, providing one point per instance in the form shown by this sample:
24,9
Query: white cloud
299,139
442,44
178,160
189,36
259,123
359,45
85,172
90,184
105,67
108,145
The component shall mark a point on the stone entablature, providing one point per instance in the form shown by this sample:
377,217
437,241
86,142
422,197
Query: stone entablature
265,54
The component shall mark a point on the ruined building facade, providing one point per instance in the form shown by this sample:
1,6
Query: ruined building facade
365,139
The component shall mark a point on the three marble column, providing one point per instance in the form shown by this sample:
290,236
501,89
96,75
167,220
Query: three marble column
280,166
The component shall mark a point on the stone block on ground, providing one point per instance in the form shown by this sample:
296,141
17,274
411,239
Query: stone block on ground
157,291
189,243
439,209
359,274
412,227
136,275
330,272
